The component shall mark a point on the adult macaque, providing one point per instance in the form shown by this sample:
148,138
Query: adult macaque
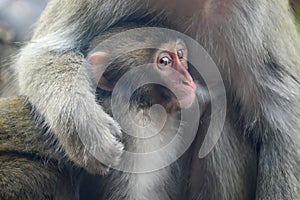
256,47
167,65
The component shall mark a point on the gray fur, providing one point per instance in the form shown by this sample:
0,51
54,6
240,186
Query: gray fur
258,55
30,166
257,51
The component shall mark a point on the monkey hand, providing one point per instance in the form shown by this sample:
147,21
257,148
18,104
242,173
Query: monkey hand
112,148
100,140
87,134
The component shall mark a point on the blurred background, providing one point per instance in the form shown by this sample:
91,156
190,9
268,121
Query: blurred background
16,21
296,8
17,18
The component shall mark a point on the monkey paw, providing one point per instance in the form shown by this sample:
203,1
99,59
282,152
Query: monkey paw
106,150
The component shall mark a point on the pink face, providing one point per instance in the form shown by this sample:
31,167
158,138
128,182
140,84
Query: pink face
172,66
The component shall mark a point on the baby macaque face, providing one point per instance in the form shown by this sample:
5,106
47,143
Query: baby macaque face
172,66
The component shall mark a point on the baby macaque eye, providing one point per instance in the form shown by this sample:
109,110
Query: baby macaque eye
164,61
180,53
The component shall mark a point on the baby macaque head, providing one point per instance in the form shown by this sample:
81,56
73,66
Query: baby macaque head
169,63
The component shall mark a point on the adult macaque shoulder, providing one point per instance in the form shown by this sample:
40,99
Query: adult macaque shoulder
29,167
19,131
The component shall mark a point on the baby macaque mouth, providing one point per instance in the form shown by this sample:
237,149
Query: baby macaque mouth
189,83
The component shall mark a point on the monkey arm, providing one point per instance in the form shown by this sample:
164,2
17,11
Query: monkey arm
49,74
61,92
279,140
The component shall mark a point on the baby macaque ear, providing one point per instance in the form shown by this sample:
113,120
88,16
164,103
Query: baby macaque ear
99,62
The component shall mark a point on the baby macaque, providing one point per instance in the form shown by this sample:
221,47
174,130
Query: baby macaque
174,89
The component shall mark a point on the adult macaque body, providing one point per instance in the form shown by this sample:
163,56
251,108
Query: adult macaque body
30,166
168,65
254,44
